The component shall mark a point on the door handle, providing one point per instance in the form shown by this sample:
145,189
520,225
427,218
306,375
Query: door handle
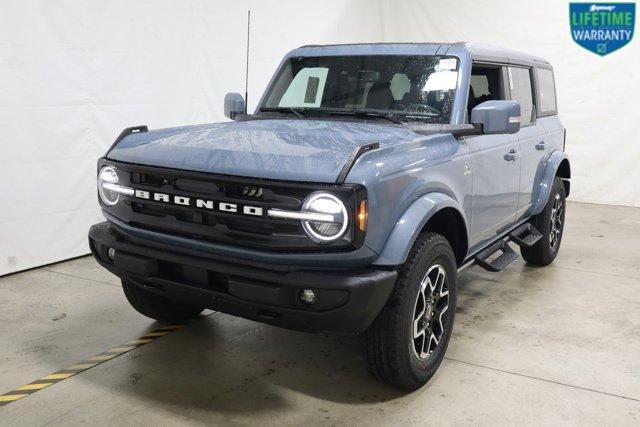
540,146
511,156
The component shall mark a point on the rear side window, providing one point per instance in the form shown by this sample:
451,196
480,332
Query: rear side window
520,86
546,92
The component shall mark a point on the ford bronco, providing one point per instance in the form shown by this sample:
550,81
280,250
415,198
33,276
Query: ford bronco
366,178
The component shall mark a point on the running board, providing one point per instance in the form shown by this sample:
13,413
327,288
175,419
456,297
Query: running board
525,235
499,263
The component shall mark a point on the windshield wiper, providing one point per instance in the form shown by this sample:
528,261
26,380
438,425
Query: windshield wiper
298,113
360,113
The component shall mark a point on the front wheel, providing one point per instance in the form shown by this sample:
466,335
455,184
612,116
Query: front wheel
550,222
406,343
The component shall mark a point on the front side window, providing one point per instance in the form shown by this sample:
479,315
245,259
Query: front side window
520,86
408,88
547,91
484,86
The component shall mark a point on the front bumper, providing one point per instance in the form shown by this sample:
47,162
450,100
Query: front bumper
347,300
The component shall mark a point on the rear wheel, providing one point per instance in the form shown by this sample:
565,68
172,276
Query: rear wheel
550,222
407,342
158,307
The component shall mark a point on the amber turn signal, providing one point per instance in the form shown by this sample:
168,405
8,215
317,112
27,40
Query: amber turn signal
363,215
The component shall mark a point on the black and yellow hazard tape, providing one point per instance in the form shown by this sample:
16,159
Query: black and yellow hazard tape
89,363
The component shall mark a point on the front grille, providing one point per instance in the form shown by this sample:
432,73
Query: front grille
256,232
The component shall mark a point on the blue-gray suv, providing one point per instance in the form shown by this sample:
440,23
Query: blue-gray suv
366,178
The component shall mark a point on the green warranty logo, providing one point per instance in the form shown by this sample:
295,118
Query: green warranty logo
602,27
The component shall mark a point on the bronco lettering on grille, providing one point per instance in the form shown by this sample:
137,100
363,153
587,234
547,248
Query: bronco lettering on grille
199,203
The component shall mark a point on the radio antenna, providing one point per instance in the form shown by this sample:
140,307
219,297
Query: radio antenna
246,81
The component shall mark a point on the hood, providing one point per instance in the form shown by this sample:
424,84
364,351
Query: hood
297,150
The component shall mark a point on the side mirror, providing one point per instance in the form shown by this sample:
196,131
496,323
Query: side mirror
233,104
497,116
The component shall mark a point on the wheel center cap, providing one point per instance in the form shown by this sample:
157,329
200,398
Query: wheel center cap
428,311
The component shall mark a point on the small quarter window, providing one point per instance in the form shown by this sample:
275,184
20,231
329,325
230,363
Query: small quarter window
520,86
546,91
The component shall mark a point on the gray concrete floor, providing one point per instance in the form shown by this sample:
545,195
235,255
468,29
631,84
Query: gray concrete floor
530,346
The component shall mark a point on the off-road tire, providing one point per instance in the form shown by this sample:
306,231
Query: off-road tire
157,306
543,252
389,342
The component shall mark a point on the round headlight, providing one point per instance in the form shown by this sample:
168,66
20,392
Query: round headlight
107,175
325,231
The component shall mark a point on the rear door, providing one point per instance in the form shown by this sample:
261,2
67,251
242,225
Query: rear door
531,137
548,109
495,171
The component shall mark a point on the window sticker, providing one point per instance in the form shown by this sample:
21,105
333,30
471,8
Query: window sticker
312,90
441,80
447,64
306,88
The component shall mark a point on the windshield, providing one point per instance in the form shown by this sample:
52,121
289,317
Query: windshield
399,88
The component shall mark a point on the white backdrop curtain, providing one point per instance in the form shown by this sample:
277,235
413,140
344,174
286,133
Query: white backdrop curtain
74,73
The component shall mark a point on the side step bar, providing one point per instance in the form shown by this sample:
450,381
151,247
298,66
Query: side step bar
525,236
499,263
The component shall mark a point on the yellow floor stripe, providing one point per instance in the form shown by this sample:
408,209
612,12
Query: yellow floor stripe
156,334
140,341
173,327
103,357
37,386
81,366
121,349
12,397
57,376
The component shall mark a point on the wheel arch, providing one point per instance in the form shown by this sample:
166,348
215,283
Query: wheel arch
449,223
564,172
435,212
557,166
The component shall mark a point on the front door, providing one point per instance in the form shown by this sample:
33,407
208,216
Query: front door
495,162
495,170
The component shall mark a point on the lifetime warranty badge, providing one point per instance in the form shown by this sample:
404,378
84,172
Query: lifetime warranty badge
602,27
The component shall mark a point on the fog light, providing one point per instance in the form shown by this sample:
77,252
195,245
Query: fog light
308,296
111,253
